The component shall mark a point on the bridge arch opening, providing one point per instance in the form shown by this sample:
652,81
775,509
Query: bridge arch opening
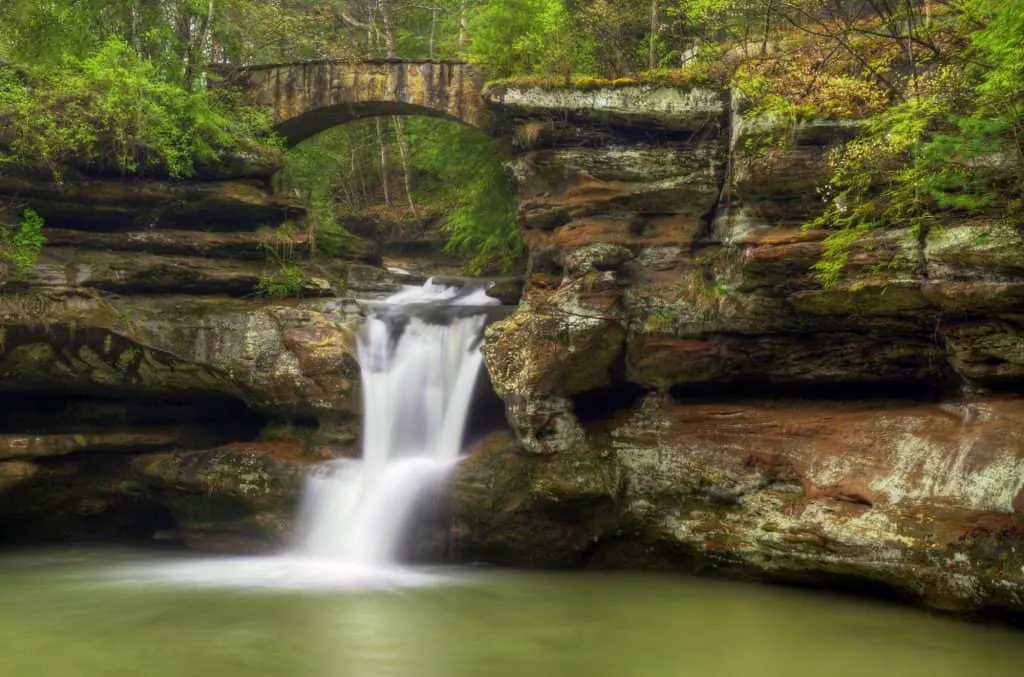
307,98
420,189
317,120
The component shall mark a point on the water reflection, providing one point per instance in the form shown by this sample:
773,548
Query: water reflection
61,617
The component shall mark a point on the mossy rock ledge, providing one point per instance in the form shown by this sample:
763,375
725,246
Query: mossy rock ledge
685,394
149,388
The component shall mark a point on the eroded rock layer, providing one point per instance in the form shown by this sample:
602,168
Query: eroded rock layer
686,393
683,391
150,387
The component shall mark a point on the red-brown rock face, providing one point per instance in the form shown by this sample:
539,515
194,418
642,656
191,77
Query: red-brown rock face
922,499
668,270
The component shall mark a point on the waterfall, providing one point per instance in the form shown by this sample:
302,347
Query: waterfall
419,357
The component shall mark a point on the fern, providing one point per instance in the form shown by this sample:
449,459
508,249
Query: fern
20,246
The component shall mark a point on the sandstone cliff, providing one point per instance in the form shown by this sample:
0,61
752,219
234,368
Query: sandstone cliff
148,386
685,394
682,392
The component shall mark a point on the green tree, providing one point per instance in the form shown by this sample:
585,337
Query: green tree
470,186
954,145
524,36
114,112
455,171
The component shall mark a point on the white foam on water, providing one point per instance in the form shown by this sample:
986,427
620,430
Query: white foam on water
283,572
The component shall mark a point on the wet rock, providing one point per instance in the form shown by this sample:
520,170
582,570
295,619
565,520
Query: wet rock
38,446
512,509
369,279
240,498
917,498
508,291
582,183
146,273
989,352
660,362
238,246
640,106
158,359
975,250
552,354
296,358
654,271
13,473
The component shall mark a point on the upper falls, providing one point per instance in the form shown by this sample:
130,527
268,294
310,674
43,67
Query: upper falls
420,358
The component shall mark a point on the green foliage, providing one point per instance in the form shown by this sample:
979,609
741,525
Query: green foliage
329,174
112,111
179,37
287,431
660,321
606,38
454,170
286,278
703,294
285,282
956,146
123,88
20,246
525,36
472,189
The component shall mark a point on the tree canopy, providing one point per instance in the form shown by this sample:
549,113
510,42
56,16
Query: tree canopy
124,87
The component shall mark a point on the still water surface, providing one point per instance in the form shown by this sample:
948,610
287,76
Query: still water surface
80,613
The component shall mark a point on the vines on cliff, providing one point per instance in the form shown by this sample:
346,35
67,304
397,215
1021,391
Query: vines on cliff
953,146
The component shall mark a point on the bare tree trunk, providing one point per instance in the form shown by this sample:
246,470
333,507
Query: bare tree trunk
767,29
206,45
384,162
372,30
135,26
463,35
433,30
389,34
909,44
198,38
370,25
358,177
403,152
652,53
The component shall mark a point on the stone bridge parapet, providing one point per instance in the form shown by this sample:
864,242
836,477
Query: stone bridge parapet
307,98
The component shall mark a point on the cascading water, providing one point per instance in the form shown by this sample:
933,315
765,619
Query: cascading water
419,358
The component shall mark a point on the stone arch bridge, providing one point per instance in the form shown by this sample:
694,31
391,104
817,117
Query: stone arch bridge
307,98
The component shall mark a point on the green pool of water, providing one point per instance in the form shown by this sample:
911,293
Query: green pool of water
118,614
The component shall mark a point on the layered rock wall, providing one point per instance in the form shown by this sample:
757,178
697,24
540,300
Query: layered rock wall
685,393
148,385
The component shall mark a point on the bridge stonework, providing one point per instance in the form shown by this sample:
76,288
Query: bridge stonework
307,98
